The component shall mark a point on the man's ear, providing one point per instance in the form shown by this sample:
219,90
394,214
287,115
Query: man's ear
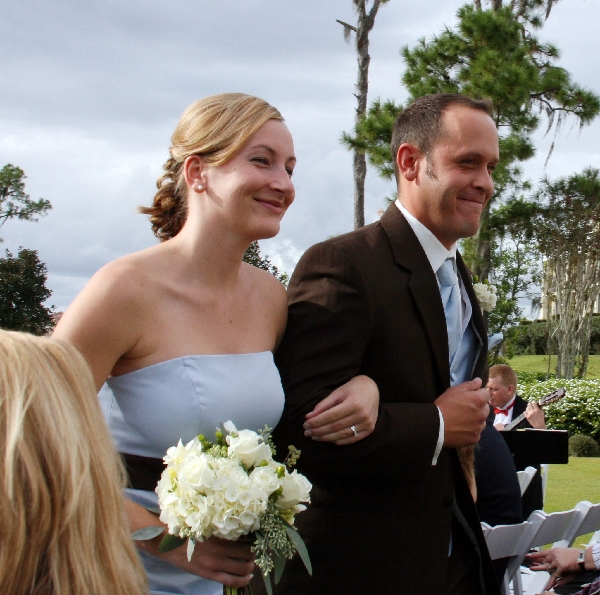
409,160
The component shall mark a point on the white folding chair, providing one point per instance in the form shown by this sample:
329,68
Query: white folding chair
588,522
525,478
544,469
509,541
555,526
550,528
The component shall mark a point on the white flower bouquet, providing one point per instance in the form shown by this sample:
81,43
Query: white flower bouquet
232,488
486,295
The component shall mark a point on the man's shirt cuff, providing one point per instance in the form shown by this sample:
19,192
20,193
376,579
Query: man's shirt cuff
440,441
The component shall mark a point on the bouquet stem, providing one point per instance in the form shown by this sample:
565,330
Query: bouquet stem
235,590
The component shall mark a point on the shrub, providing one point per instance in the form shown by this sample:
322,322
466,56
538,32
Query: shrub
581,445
578,412
529,377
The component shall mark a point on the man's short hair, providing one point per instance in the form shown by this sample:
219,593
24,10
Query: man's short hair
420,123
506,373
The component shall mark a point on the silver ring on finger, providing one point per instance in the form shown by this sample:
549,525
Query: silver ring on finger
354,430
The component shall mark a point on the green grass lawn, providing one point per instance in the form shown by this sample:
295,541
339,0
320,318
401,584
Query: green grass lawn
572,483
539,363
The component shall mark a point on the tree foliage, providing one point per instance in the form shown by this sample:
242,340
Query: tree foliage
23,292
253,257
14,202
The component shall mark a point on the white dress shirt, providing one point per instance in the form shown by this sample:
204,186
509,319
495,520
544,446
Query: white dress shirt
505,418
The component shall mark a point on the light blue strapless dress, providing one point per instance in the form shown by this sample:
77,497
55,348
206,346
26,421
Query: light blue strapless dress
151,409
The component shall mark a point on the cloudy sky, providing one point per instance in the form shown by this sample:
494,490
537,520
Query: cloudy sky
91,92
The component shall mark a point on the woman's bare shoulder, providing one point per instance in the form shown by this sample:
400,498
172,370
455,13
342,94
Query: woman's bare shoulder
265,284
106,320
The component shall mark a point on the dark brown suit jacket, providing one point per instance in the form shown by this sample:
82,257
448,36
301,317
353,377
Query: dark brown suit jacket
368,303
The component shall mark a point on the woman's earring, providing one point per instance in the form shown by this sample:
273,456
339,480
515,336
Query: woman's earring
198,187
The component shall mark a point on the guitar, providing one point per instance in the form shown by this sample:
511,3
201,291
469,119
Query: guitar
558,394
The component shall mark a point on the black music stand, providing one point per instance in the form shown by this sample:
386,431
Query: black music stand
537,447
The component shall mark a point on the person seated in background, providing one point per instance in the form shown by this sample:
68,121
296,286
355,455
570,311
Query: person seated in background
502,386
507,405
562,562
64,529
498,492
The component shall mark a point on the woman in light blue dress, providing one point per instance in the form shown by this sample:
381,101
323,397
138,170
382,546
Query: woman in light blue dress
185,330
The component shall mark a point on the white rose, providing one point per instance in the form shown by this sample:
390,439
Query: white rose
248,447
296,489
265,478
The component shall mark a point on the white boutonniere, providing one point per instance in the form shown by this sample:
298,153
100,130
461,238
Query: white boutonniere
486,294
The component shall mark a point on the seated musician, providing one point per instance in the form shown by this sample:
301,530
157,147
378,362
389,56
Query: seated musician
507,405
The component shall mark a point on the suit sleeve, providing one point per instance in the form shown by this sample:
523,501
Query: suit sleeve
329,333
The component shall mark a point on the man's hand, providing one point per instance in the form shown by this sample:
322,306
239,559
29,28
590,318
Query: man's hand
535,416
465,409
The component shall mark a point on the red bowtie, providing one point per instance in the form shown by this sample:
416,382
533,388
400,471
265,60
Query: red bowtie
504,411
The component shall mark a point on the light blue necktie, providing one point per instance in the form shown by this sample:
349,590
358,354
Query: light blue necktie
452,303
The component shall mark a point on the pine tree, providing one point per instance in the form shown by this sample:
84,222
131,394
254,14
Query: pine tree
23,292
364,25
253,257
14,202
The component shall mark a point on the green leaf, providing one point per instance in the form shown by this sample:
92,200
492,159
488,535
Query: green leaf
170,542
154,509
267,580
300,546
279,562
146,533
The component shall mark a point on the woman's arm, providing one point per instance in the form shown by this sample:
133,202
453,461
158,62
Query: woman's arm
105,320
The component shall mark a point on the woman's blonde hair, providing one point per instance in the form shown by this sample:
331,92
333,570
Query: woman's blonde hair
215,128
63,529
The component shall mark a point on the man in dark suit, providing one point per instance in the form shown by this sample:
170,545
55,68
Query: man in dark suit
502,385
393,513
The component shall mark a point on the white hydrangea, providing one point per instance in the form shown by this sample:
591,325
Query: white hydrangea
486,295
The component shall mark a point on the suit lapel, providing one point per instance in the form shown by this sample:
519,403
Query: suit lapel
409,255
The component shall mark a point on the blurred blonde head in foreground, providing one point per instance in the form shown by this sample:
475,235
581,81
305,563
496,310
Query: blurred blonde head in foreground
62,525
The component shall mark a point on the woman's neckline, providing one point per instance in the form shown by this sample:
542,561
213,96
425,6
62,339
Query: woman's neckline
191,356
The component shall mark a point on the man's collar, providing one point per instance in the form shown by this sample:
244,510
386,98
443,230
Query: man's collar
434,250
509,403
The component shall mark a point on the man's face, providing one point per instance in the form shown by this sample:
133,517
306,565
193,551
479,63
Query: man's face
500,394
455,180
